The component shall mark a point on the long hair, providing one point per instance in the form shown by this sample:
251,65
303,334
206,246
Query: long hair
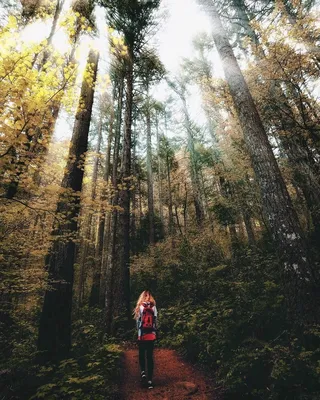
144,296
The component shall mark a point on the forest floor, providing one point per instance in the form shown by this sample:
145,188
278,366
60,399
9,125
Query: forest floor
174,379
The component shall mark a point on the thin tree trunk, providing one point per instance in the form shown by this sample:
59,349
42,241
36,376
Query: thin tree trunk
150,174
171,225
185,206
248,225
159,171
111,224
97,265
86,246
177,218
140,200
134,193
106,296
233,237
206,202
171,228
194,168
56,16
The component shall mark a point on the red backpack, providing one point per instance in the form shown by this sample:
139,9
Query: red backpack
147,317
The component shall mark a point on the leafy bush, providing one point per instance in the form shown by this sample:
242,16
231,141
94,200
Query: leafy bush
91,372
230,316
91,376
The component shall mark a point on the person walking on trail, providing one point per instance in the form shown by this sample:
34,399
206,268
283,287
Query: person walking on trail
145,315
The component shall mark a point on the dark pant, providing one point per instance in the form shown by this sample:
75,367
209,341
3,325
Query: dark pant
146,348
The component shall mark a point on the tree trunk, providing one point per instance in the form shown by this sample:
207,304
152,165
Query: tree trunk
171,228
54,340
248,225
194,168
304,174
185,207
121,255
283,221
177,218
140,200
134,193
33,147
171,225
233,237
180,89
56,16
86,246
159,172
149,174
111,219
97,267
294,144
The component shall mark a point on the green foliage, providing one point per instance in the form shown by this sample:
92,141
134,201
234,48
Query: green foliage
87,377
224,213
131,17
167,270
91,372
141,241
231,317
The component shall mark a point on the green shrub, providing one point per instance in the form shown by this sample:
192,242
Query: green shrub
230,316
92,371
92,376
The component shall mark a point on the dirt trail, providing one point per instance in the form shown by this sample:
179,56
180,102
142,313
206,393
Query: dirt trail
174,379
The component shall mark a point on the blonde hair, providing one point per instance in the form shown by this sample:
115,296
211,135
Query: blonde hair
145,295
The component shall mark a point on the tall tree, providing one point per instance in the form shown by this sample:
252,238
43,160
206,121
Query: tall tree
38,131
133,19
299,276
98,260
54,340
108,220
86,248
278,113
180,87
150,71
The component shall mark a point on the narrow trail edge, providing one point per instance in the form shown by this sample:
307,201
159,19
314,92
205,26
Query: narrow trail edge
174,379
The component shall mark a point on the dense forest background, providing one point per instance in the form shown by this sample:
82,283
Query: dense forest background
200,183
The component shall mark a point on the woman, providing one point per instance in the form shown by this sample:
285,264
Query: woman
145,314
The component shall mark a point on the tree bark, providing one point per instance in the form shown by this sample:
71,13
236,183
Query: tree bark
56,16
134,193
248,225
194,168
159,172
110,223
54,340
32,147
149,174
121,255
306,173
86,247
97,267
299,276
177,218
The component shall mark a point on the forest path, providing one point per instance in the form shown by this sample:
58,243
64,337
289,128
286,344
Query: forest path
174,379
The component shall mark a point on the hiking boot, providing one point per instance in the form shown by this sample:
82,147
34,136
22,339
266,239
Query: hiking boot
150,385
143,378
